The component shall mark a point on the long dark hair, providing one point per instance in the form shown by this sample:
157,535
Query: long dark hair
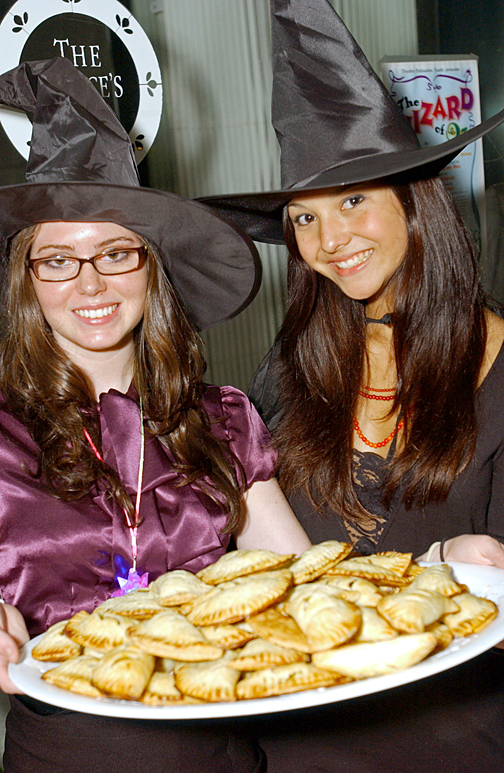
54,399
439,336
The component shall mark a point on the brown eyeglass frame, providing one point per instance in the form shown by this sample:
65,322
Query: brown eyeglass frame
142,257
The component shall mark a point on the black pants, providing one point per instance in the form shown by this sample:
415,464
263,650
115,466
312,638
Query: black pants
41,739
451,722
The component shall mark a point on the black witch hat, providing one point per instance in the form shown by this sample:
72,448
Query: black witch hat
81,168
335,121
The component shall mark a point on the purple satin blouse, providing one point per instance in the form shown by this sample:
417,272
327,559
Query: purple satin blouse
59,557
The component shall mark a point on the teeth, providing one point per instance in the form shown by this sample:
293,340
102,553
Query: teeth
356,260
96,313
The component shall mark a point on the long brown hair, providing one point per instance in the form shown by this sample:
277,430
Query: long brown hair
439,335
54,399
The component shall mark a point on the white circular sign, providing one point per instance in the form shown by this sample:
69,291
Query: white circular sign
26,15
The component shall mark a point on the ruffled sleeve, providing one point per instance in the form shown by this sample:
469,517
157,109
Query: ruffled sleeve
236,422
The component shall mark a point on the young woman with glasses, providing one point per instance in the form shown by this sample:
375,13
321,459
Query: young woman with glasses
117,462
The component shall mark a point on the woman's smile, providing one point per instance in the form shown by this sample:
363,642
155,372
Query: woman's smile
355,260
97,314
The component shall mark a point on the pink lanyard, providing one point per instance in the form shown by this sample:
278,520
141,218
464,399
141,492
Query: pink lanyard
132,525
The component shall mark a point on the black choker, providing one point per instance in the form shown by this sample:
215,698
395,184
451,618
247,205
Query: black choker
385,320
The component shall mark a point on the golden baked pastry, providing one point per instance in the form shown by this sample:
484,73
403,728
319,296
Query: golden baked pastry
318,559
211,681
161,691
474,613
240,563
279,628
140,604
437,578
360,661
101,632
258,654
413,571
374,627
362,567
326,620
75,675
55,645
442,633
398,563
123,672
285,679
170,635
356,589
411,611
177,587
227,636
236,600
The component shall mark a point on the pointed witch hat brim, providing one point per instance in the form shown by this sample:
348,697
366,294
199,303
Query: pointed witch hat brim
336,123
81,168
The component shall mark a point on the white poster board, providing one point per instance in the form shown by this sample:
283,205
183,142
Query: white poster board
440,97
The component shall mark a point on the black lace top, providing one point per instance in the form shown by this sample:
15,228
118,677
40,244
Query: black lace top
369,477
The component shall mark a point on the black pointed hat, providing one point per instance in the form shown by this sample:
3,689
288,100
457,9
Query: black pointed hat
81,168
335,121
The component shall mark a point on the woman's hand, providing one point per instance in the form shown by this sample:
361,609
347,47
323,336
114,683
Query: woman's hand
474,549
13,635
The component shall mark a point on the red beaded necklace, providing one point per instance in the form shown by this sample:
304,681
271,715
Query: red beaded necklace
383,443
365,391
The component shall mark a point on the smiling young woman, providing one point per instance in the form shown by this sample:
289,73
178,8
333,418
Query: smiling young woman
384,388
118,462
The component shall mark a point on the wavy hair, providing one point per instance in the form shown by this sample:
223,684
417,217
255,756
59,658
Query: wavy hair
439,337
54,398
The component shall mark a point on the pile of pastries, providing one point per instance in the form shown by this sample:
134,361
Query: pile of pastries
257,624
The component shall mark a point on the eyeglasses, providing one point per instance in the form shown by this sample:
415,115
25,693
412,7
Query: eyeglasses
60,268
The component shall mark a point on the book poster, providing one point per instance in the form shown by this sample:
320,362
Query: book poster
440,97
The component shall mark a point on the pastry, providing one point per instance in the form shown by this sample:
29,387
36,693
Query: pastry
101,632
55,646
236,600
438,578
474,613
227,636
259,654
326,620
240,563
285,679
170,635
177,587
360,661
318,559
140,604
411,611
279,628
213,681
123,672
75,675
